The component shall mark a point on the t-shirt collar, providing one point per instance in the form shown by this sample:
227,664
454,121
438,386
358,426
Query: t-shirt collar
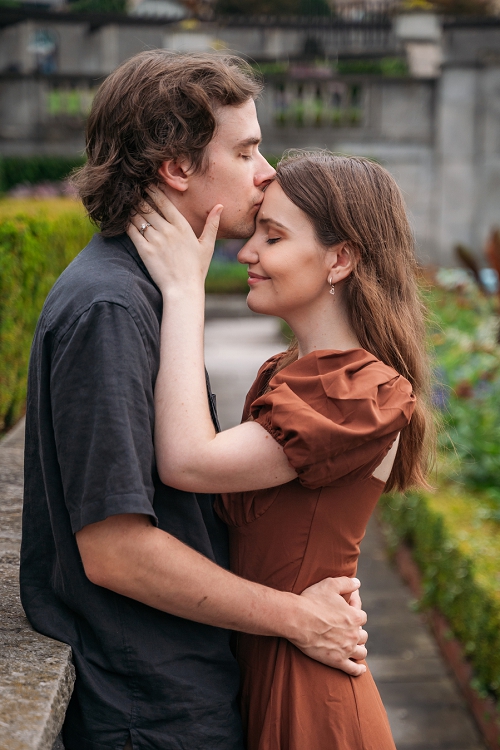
129,246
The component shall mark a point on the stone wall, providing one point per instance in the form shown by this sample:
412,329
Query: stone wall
395,128
437,129
36,673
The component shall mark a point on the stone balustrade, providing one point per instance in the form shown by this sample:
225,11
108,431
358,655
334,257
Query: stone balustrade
36,673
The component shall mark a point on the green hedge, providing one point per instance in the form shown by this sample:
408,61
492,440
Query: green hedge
458,554
35,247
226,277
385,66
16,170
33,253
99,6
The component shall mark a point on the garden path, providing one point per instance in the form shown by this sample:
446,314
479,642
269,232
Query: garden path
424,706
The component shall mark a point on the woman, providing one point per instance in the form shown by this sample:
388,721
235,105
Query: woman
332,255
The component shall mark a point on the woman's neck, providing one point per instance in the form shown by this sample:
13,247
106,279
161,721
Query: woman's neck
326,326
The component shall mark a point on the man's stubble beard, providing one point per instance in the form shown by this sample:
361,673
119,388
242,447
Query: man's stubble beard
240,230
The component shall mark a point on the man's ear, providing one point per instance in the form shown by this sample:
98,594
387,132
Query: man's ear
175,173
342,261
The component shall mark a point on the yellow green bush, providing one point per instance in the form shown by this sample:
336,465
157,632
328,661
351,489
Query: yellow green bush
457,548
35,247
47,208
38,238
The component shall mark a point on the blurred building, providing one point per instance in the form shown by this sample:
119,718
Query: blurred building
416,92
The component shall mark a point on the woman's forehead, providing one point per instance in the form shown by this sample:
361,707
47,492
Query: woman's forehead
278,209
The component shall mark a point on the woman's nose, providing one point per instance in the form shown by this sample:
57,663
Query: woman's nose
248,254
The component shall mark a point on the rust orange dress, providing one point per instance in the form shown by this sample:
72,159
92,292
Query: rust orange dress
336,414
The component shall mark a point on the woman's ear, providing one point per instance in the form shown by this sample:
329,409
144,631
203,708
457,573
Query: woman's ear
341,261
175,173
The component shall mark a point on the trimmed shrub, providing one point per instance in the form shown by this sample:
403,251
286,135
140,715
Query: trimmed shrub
273,8
16,170
386,66
33,253
99,6
37,241
458,553
46,208
226,277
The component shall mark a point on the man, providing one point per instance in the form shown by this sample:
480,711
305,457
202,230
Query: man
131,573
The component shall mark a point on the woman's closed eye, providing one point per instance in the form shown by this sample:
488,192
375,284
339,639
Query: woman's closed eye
272,240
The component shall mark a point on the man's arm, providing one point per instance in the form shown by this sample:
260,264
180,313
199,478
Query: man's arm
127,554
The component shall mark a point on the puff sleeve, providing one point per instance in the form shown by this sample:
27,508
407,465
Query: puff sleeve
260,383
335,413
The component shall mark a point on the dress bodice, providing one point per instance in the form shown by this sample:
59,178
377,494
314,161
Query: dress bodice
336,414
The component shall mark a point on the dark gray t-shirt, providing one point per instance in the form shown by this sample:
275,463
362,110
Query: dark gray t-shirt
170,682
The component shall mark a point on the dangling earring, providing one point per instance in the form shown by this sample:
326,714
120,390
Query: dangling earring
332,286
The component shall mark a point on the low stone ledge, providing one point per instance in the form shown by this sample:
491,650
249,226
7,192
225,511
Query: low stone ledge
36,673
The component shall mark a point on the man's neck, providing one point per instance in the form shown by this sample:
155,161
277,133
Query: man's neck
181,201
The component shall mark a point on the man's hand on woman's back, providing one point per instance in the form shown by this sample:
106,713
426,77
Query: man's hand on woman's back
336,637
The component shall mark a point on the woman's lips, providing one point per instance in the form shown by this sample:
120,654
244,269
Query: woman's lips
254,278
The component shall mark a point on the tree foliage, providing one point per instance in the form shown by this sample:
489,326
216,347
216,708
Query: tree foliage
99,6
273,7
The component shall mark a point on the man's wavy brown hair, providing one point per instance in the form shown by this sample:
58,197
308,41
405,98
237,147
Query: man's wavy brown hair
157,106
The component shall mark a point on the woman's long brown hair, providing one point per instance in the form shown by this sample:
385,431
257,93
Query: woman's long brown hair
354,200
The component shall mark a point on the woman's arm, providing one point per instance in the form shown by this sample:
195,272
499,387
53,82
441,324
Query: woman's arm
190,455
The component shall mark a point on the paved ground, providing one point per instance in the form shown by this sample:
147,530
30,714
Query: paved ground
424,707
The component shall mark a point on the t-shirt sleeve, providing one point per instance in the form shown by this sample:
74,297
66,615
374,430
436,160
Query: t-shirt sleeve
103,416
335,425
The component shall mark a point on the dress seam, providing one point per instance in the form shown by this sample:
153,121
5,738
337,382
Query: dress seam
233,525
360,733
313,516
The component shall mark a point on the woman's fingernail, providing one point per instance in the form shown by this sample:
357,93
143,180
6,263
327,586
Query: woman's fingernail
357,581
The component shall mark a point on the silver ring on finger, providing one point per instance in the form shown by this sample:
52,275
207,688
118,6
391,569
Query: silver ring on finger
143,227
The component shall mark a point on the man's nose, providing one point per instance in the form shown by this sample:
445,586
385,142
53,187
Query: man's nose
265,174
